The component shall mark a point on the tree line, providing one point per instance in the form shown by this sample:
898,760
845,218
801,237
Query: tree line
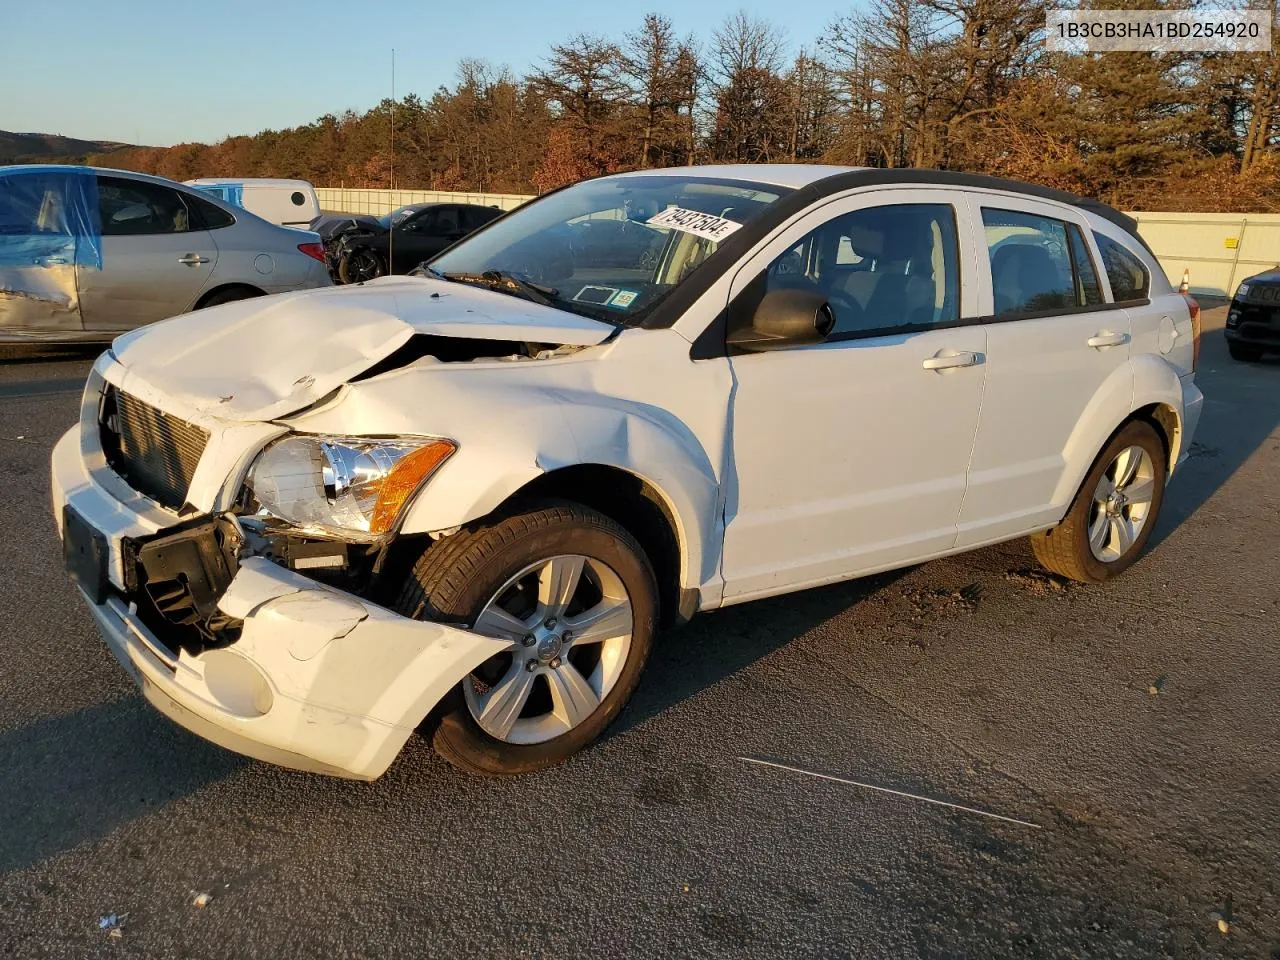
955,84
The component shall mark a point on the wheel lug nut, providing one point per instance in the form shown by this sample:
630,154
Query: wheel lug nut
551,623
568,637
555,662
531,665
529,640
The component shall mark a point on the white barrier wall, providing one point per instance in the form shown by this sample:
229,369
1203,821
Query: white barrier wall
1219,249
377,202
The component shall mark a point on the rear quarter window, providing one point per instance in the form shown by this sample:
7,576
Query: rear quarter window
1127,274
207,214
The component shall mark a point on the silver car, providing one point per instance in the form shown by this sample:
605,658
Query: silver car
87,253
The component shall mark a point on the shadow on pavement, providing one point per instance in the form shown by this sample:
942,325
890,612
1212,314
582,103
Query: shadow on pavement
1241,411
719,644
75,777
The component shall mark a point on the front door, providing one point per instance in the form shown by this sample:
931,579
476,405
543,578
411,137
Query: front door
1053,346
424,236
849,456
154,264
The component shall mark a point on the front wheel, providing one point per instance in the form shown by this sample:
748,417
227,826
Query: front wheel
1114,511
574,596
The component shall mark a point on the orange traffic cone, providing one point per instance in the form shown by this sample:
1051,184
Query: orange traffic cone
1185,285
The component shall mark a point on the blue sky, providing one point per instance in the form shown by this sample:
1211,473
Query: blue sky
163,73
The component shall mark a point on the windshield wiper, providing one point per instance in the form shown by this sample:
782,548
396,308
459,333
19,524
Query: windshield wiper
504,281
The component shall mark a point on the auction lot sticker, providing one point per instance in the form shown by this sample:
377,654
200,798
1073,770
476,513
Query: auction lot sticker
705,225
1196,30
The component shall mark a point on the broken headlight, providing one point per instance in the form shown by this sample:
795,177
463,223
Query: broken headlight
343,486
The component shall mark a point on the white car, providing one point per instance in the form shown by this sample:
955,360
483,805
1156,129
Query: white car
87,253
470,497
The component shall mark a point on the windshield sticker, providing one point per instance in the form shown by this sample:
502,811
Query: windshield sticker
624,298
704,225
594,294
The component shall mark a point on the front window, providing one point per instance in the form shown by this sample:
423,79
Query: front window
612,248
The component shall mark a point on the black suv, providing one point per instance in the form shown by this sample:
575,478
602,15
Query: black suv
1253,320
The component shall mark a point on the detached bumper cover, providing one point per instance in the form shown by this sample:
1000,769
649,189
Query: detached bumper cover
319,680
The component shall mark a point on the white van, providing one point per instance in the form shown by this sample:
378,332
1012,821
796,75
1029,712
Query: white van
290,203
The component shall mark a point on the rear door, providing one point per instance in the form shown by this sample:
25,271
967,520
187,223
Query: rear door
156,257
1053,344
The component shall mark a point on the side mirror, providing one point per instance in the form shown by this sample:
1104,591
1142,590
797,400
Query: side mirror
786,318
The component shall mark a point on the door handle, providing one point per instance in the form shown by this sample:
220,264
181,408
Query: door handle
1107,339
191,259
950,360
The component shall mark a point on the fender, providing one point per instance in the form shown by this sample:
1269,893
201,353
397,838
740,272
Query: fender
516,425
1143,381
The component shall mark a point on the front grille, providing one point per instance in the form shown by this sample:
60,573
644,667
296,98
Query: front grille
1263,293
154,452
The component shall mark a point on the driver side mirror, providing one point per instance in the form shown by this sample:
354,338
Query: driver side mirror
789,317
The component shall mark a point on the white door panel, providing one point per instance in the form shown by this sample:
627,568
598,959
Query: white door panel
847,457
851,455
1042,375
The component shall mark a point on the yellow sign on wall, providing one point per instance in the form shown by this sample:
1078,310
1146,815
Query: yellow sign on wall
1231,242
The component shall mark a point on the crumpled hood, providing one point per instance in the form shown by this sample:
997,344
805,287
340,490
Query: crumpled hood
265,358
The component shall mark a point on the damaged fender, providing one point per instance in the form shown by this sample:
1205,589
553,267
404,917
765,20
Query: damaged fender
319,679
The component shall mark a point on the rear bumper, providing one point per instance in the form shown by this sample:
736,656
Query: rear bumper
319,679
1192,407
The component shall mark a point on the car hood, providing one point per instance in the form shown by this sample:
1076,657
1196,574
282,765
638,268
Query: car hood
265,358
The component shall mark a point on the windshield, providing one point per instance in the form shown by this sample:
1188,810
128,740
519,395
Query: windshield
396,217
611,248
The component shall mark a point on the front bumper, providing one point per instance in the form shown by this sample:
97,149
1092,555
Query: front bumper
1253,324
318,680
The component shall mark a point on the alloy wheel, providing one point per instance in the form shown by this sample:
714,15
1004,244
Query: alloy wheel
569,622
1121,504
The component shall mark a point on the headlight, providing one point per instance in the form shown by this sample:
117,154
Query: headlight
343,485
1242,291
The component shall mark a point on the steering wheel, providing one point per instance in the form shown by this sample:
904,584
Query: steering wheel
844,306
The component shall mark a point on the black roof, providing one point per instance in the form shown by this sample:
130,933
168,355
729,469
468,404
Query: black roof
954,178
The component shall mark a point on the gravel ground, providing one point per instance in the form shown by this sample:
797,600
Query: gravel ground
1133,728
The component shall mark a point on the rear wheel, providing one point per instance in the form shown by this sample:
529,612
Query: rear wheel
1114,511
1244,352
230,295
574,596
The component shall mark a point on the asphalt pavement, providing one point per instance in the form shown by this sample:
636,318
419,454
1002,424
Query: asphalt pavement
1128,733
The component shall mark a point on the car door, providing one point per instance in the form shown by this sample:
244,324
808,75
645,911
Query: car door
422,237
156,259
46,229
849,455
1053,343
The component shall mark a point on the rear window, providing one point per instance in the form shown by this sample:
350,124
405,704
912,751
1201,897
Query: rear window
1129,278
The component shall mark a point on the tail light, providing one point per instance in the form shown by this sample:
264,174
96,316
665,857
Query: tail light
316,252
1195,329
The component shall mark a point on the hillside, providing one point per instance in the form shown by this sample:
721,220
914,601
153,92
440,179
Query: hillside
50,148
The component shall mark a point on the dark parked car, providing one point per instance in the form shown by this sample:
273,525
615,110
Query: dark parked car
1253,320
361,248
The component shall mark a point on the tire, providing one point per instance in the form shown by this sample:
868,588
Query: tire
504,561
360,265
1244,352
230,295
1067,548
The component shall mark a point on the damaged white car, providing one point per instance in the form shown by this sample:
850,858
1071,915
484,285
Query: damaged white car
464,501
